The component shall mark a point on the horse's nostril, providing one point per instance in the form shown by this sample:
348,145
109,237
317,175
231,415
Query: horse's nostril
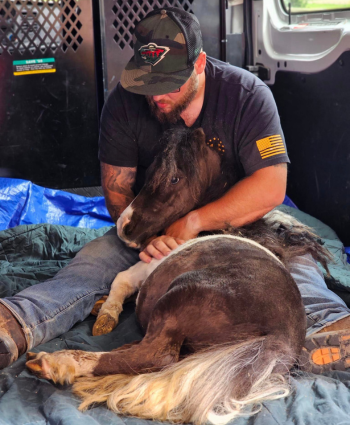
126,222
130,227
127,229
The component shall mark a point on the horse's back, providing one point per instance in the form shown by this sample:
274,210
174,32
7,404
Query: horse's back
221,290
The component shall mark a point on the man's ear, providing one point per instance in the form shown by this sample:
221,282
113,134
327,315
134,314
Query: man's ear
201,61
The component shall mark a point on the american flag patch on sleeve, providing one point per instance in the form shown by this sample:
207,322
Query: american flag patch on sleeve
270,146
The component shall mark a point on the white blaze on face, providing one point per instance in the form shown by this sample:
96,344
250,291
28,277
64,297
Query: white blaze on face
123,220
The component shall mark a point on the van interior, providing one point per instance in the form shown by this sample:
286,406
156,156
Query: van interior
59,60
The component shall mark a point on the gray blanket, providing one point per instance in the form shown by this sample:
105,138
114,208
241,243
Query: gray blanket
31,254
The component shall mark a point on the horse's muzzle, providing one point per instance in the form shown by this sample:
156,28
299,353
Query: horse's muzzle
127,242
132,244
124,238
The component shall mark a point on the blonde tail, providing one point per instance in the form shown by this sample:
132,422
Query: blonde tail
216,385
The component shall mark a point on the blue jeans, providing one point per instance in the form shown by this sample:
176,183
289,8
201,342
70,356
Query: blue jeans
322,306
51,308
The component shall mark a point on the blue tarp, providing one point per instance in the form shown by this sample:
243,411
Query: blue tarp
23,202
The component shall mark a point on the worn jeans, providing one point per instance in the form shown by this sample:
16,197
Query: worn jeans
51,308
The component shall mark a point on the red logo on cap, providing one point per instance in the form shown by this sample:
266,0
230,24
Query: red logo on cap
152,53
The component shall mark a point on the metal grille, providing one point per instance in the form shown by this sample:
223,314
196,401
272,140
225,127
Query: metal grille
128,13
39,26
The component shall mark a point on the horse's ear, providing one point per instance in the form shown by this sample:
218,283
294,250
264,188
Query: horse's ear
198,135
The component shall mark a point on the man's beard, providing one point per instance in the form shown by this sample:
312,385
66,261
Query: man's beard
173,116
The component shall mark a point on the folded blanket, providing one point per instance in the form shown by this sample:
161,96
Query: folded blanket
30,254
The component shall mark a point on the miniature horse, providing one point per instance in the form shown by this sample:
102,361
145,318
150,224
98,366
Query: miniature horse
222,317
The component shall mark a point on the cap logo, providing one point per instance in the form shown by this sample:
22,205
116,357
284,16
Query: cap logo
152,53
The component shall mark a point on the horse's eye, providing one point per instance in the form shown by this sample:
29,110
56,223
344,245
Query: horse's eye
175,180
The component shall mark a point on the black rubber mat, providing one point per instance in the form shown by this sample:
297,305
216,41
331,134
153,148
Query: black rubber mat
89,192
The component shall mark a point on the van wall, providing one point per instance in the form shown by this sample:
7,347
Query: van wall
315,117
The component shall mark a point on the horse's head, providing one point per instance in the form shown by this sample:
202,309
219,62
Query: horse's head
176,183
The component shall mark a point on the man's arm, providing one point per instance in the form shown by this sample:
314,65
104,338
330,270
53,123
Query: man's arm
245,202
117,183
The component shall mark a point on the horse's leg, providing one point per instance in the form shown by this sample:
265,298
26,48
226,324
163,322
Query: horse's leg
160,347
62,366
197,311
124,285
184,311
241,351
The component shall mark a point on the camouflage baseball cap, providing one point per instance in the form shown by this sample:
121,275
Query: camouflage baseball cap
167,43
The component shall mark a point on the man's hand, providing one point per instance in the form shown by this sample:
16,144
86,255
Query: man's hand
185,228
159,247
179,232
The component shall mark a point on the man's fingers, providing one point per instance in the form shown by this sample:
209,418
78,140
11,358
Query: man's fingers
154,250
160,247
170,243
145,257
164,246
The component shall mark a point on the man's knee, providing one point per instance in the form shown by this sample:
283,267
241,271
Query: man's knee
305,270
101,246
106,254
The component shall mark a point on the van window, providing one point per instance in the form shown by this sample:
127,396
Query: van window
308,6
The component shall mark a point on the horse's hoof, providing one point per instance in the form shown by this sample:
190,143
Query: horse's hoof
104,325
59,367
97,307
31,356
37,365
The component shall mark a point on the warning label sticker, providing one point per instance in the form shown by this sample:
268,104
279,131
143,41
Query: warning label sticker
34,66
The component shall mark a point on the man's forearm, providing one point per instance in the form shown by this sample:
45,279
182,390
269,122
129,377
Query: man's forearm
244,203
117,183
117,204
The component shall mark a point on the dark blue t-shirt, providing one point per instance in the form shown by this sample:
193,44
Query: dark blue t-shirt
239,117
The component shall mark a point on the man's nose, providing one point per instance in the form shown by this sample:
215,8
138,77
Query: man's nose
158,98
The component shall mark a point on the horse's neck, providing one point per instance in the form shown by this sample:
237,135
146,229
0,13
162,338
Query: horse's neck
218,188
217,179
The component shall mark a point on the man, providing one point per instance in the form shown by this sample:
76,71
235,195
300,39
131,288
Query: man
170,82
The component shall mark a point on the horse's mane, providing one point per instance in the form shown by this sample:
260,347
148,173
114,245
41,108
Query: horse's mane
184,149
